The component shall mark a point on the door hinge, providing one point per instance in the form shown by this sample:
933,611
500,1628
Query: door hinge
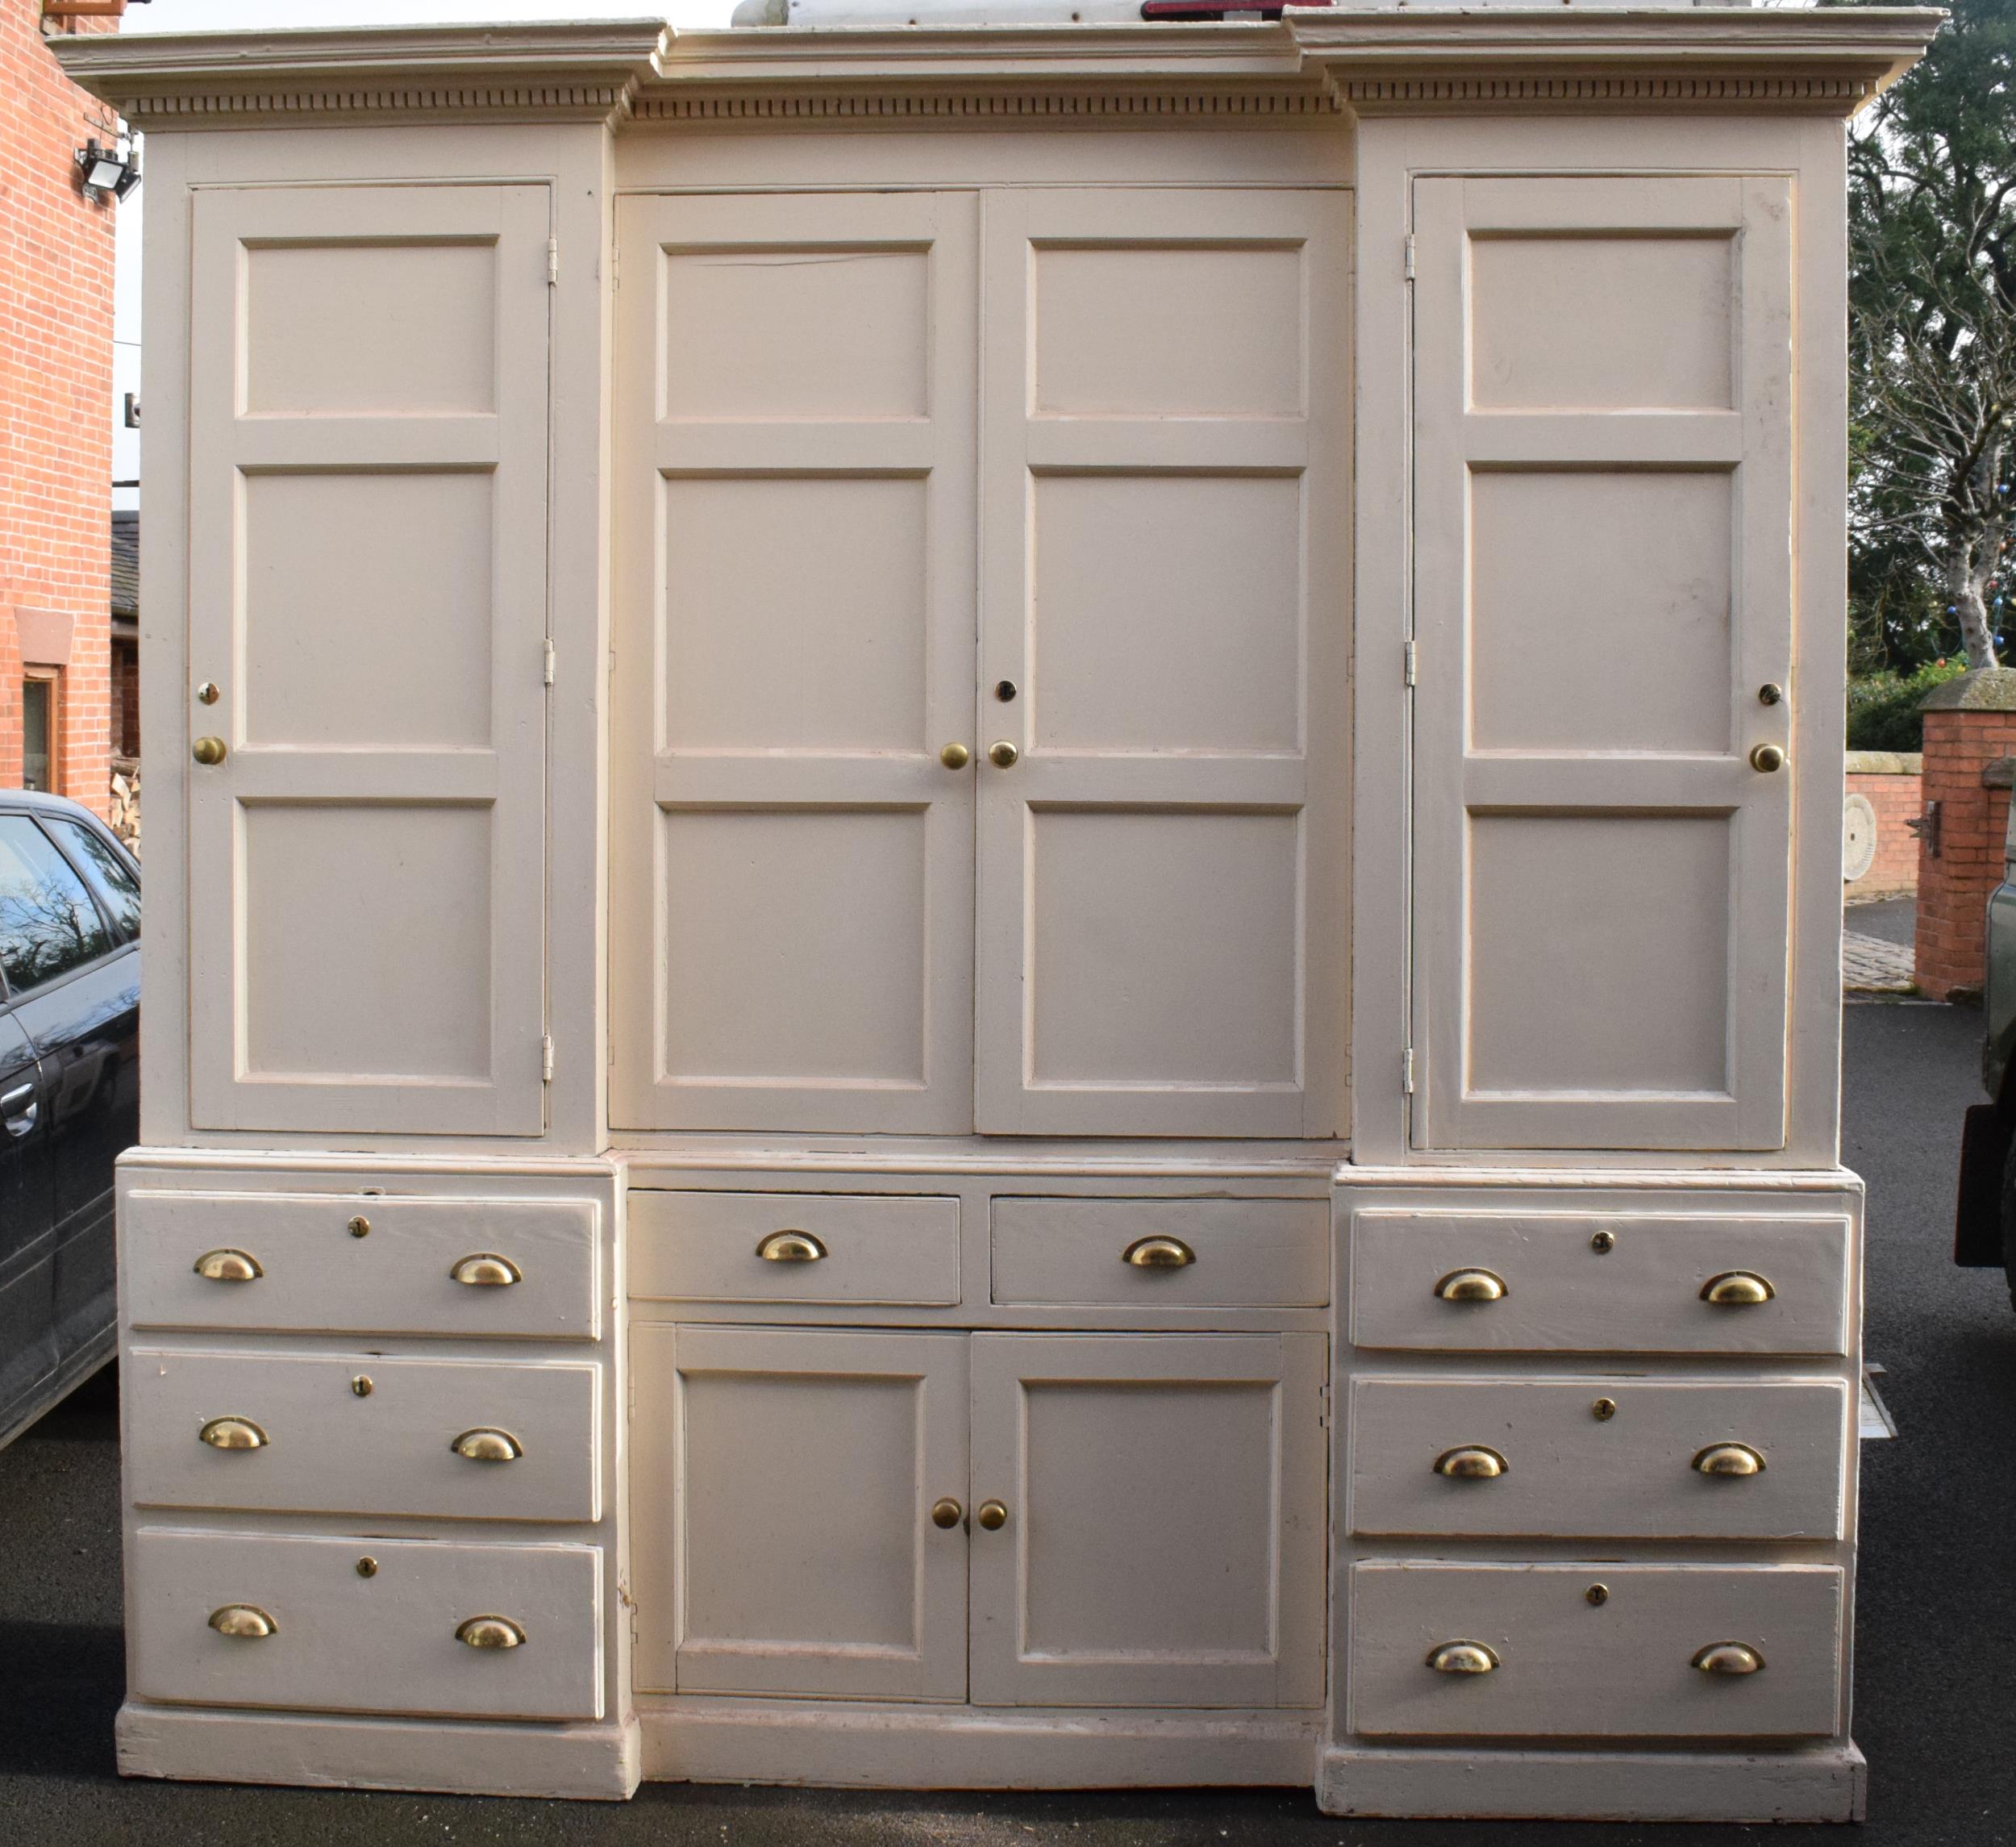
1406,1072
546,1059
1407,257
615,266
552,260
546,672
1407,660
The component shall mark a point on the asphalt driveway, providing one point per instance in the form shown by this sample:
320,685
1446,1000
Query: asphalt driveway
1937,1619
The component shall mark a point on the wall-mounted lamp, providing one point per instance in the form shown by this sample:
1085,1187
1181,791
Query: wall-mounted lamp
114,170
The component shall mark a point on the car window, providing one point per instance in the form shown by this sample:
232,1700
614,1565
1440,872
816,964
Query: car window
109,875
47,922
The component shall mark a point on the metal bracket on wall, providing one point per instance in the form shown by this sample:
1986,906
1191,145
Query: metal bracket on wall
1926,826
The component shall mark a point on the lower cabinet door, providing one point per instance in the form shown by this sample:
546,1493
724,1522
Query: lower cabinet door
1164,1498
783,1486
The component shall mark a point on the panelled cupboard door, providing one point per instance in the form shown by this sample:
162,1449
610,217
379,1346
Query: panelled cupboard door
792,862
367,591
1166,1502
1164,502
782,1487
1603,413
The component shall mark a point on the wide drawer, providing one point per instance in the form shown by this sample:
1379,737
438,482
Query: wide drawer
361,1434
1213,1253
1572,1663
1599,1281
1601,1459
342,1640
315,1273
794,1247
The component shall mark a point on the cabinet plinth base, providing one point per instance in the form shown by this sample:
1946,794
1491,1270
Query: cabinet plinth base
1825,1784
595,1763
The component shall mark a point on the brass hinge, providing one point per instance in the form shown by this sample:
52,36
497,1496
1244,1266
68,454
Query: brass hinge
546,1059
547,675
552,260
1406,258
1407,661
1406,1072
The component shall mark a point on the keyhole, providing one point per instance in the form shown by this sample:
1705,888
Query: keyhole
1004,690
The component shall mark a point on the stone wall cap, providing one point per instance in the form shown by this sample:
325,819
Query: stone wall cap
1999,774
1885,763
1980,689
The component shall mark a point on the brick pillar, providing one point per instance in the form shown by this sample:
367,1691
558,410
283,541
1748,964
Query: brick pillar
1970,724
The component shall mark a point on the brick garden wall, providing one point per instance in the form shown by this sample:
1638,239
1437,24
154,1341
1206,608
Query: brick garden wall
1891,784
1957,873
55,394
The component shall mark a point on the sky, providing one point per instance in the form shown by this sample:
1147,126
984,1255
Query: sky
247,15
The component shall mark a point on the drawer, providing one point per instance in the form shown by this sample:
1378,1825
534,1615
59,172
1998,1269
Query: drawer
1621,1666
313,1274
343,1642
1246,1253
1568,1471
1599,1282
329,1450
852,1247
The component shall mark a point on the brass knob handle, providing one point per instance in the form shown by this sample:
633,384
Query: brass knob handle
1767,757
947,1512
955,756
992,1515
1471,1463
229,1266
490,1632
1159,1253
1471,1285
233,1433
1729,1658
1737,1289
243,1622
1729,1459
485,1270
485,1445
790,1247
210,752
1004,755
1463,1657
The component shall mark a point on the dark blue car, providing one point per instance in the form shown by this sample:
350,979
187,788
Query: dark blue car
69,1092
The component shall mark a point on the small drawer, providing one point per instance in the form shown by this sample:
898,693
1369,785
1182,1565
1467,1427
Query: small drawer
1598,1283
1595,1650
358,1433
1162,1253
314,1270
1599,1458
364,1625
903,1250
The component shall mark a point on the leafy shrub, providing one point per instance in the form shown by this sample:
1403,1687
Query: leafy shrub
1883,712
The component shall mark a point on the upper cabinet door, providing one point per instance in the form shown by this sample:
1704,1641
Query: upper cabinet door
368,593
1603,414
1164,512
792,861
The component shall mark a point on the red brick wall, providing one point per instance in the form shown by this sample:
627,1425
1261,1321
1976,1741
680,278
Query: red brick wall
55,394
1897,801
1953,885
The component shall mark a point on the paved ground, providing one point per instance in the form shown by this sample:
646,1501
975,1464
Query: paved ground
1937,1620
1894,919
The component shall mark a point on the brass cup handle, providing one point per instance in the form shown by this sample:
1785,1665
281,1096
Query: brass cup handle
790,1247
1471,1285
992,1515
955,756
1737,1289
243,1622
228,1266
483,1445
485,1269
946,1513
490,1632
1003,755
1767,757
210,752
233,1433
1473,1462
1728,1658
1463,1657
1736,1459
1159,1253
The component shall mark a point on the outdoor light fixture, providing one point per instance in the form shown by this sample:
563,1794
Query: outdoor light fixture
114,170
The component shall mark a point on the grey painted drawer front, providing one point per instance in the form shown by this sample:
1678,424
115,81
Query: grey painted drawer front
342,1642
318,1277
1562,1293
330,1451
1622,1668
1567,1472
1248,1253
705,1247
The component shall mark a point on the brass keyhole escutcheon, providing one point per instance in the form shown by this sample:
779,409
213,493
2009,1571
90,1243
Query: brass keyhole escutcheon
361,1385
946,1513
210,752
993,1516
361,1227
1601,1242
1770,693
1004,690
207,693
1003,755
367,1567
1603,1410
1597,1594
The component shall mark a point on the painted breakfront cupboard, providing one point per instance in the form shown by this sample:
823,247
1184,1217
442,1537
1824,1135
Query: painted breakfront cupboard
994,882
